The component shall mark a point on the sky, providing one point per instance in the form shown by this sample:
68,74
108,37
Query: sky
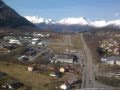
59,9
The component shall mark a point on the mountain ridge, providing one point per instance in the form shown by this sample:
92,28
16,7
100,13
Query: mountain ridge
74,21
9,18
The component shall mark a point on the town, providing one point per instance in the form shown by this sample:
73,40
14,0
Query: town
44,54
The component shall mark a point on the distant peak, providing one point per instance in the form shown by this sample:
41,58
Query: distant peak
80,21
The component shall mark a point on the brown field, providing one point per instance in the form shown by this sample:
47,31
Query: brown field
60,49
58,38
20,72
75,39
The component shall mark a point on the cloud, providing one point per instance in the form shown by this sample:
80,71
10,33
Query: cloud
116,14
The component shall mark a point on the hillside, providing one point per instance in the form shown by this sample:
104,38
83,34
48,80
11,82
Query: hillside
10,18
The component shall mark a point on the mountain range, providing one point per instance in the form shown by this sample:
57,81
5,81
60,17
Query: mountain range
73,21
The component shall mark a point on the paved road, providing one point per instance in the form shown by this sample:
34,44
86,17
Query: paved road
88,71
68,41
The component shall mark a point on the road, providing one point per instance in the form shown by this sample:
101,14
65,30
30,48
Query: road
89,70
88,80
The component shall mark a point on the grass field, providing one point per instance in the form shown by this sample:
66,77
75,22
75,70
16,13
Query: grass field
20,72
111,81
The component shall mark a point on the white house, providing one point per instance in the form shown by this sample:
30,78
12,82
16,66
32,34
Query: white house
103,59
34,41
113,60
14,41
38,35
47,35
118,62
40,43
30,68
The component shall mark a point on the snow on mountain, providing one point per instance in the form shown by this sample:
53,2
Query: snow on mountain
37,19
73,21
104,23
114,22
101,23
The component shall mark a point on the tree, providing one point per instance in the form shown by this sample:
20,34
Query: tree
101,51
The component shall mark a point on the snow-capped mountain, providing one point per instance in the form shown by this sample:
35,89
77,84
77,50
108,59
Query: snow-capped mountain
114,22
73,21
37,19
101,23
104,23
